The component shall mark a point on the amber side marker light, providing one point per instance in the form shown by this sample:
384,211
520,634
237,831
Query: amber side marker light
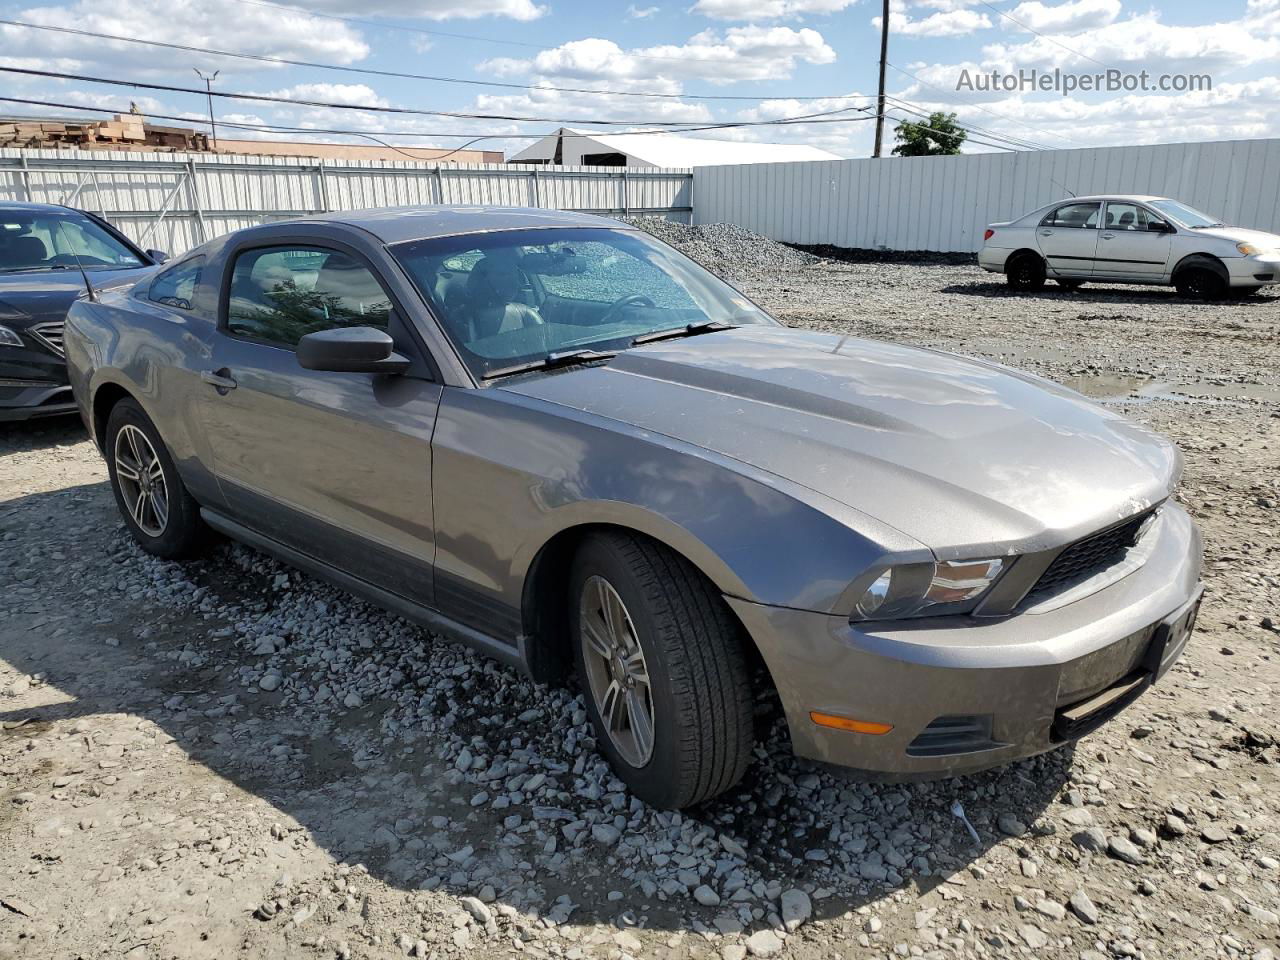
845,723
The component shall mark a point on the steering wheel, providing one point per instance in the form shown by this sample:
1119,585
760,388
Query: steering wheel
630,300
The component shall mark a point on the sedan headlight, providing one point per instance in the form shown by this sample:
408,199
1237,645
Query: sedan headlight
928,589
9,339
1249,249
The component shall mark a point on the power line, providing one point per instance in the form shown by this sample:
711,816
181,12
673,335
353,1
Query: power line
920,111
1042,36
373,108
968,139
975,106
285,61
370,134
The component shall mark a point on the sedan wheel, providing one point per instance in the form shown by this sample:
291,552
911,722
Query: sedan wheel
617,674
1026,273
141,480
660,659
159,512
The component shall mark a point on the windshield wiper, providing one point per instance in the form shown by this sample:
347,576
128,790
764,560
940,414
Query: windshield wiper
688,330
562,358
40,268
1207,226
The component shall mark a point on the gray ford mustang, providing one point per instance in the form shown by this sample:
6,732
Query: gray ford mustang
557,439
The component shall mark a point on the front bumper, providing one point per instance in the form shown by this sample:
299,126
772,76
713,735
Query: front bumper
33,383
1253,271
965,693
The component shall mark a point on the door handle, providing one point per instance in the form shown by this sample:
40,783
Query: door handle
1046,233
220,380
1108,236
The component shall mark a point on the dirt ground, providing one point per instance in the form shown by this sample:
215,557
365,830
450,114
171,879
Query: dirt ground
233,760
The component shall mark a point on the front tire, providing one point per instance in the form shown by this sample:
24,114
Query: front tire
1026,273
1200,283
158,511
662,670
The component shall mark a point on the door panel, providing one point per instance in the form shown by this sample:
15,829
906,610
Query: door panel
1128,248
1068,238
337,465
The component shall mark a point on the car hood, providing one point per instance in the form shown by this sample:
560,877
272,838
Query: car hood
27,298
962,455
1267,241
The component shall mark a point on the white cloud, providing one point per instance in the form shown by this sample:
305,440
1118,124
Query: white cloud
641,13
1063,17
740,53
254,29
766,9
349,93
438,9
1143,42
955,23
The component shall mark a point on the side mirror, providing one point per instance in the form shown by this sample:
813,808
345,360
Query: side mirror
159,256
1159,226
351,350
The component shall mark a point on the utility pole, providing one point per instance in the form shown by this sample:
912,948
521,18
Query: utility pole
884,56
213,127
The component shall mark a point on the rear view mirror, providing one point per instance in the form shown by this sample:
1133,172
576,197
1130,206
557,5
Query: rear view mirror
159,256
351,350
1159,226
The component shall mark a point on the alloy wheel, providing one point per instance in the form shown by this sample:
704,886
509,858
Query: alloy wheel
140,476
617,674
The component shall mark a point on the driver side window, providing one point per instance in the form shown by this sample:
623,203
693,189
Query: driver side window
280,294
1077,215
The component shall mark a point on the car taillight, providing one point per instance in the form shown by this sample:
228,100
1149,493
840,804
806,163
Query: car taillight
988,235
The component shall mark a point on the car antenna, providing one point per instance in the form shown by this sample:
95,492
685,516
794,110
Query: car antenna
1070,193
89,291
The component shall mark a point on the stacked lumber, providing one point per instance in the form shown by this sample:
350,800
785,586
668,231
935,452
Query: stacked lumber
125,131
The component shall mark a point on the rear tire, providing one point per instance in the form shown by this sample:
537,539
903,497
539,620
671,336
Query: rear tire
1200,283
1025,273
637,610
158,511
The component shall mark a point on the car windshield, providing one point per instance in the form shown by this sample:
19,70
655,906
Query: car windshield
36,242
513,298
1185,215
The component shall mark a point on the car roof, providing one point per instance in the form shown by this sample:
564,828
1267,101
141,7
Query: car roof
1125,197
14,206
398,224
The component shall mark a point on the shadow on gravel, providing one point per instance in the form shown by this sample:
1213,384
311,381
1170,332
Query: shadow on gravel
40,434
1097,292
381,782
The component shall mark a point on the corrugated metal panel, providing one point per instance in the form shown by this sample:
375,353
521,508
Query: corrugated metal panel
944,203
175,201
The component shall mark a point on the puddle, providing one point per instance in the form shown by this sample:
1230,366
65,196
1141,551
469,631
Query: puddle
1108,386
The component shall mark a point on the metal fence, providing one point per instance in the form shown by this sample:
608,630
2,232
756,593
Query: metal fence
176,201
944,203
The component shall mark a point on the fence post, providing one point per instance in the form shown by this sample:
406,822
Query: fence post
26,181
194,188
322,183
439,178
626,192
536,186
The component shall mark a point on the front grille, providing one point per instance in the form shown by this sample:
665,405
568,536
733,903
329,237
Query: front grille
1086,557
49,334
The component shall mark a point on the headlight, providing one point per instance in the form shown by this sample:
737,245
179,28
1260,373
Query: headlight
1248,249
928,589
10,339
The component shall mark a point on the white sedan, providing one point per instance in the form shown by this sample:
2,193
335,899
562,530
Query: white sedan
1130,239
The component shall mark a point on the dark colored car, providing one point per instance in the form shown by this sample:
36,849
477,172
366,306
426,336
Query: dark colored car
557,439
43,250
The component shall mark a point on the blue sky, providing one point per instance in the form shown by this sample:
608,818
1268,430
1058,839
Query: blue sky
792,49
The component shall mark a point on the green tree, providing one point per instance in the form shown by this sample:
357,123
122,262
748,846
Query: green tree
939,136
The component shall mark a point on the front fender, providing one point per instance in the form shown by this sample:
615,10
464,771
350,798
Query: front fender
512,472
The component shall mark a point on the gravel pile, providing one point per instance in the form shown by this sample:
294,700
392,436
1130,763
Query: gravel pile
725,248
230,758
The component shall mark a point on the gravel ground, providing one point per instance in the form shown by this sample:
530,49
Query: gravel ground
232,759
